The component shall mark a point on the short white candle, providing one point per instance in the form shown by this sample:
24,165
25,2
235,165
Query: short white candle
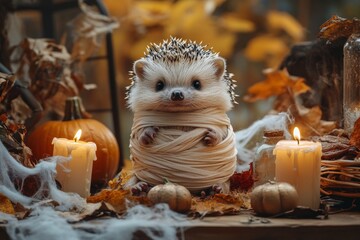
298,163
82,154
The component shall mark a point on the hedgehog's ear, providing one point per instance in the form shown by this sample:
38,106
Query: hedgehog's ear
219,64
139,68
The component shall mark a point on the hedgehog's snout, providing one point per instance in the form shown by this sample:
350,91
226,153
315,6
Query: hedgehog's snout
177,95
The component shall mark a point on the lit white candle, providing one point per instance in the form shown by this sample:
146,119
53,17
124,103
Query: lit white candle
82,154
298,163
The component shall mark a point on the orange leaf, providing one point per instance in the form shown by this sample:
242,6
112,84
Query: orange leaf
276,83
6,205
219,204
337,27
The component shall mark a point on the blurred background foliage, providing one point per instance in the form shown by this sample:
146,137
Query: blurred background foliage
251,34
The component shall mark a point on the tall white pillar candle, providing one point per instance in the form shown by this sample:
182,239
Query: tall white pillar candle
77,175
298,163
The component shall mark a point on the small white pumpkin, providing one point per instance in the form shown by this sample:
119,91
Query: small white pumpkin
273,198
178,197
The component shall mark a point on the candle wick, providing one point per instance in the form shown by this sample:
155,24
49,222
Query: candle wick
298,141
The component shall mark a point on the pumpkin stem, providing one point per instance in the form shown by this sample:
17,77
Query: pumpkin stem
72,109
166,180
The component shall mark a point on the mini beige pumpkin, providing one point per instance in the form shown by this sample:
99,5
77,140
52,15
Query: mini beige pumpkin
178,197
273,198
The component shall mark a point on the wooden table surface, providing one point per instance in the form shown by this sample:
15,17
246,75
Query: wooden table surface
340,226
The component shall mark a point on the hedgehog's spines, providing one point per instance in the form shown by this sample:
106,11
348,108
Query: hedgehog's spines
175,50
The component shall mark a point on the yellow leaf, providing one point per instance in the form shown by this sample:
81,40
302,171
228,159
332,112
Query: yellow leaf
233,23
152,12
154,7
266,48
189,20
139,47
284,21
185,15
119,10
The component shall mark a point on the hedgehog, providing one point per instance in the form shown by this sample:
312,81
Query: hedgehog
178,77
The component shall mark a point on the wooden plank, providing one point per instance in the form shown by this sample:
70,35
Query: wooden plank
338,226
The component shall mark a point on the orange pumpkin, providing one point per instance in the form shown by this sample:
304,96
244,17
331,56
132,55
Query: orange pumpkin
107,153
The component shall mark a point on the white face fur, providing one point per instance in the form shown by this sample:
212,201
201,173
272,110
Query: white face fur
179,86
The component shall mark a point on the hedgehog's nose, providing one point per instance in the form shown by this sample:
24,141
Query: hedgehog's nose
177,95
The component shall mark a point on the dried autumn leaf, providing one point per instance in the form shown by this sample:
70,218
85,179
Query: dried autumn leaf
219,204
232,22
337,27
6,83
277,82
355,135
117,198
284,21
139,46
151,12
190,20
123,177
120,10
309,121
6,205
268,48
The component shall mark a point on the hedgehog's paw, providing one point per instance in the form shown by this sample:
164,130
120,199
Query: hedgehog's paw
211,138
140,189
211,191
148,135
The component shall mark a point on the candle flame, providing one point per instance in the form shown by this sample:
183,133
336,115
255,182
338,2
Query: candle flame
77,135
297,134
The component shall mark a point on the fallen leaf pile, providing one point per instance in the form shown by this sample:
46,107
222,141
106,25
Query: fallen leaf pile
118,199
219,204
286,89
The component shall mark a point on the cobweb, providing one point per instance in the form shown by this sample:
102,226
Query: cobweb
140,221
12,171
45,222
247,139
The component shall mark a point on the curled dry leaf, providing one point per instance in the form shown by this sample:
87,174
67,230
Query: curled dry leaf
355,135
6,83
276,83
219,204
336,147
242,181
118,199
286,89
337,27
6,205
114,197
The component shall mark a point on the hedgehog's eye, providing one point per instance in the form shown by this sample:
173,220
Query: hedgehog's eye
160,85
196,84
